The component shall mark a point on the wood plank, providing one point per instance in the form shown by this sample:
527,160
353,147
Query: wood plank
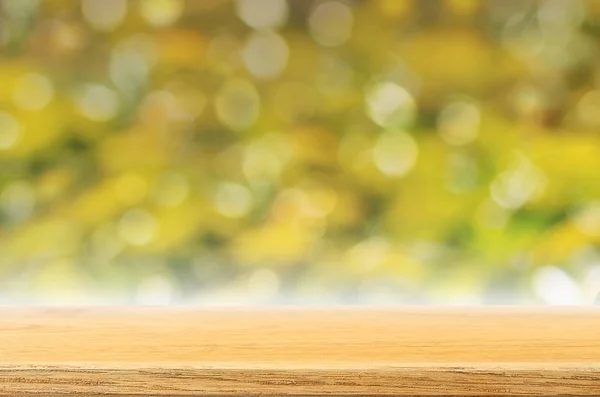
300,351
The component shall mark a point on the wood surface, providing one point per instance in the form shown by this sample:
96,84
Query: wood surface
415,351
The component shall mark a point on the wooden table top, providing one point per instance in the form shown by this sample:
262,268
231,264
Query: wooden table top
300,351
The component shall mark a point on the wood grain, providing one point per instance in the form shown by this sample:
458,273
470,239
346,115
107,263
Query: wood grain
300,351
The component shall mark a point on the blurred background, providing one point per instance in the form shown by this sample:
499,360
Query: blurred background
219,152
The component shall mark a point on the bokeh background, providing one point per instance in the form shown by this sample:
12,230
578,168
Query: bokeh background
299,152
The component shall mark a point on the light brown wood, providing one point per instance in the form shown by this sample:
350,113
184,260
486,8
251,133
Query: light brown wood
300,351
